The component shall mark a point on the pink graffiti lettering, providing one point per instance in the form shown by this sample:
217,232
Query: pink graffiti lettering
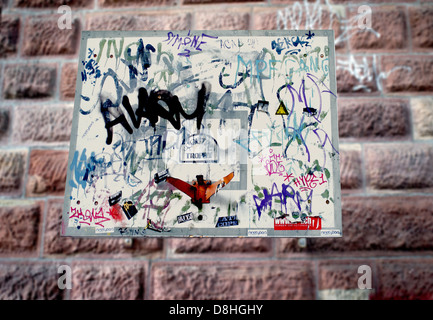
308,182
274,165
89,216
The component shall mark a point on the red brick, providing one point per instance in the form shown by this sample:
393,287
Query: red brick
30,281
137,21
68,81
20,228
47,172
240,280
144,3
29,81
9,35
290,18
222,20
388,30
42,36
399,166
381,224
108,280
361,2
53,3
350,169
408,279
421,24
200,246
12,166
373,118
265,19
218,1
356,75
55,245
37,124
5,124
422,117
407,73
342,274
289,245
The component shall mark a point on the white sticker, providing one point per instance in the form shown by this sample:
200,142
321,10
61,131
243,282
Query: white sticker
104,230
257,233
330,233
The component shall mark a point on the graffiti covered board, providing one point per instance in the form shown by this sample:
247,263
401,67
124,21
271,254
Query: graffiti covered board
204,133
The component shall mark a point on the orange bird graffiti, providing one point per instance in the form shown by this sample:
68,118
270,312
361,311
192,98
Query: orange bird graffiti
199,190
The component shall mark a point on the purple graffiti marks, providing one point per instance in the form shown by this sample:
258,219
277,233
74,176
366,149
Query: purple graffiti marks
187,43
300,96
285,197
323,138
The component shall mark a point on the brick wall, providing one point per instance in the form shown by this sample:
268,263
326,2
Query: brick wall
385,103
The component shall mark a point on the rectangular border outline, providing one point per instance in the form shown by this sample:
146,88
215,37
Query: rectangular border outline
204,232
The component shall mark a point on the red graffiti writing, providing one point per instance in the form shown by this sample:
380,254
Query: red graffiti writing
308,182
116,212
88,216
310,223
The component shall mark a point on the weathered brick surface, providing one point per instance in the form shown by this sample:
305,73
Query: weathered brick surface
9,34
5,120
29,281
265,19
189,246
225,20
421,22
356,75
385,106
55,245
42,36
216,1
388,30
291,18
289,245
407,73
399,166
134,21
373,118
52,3
145,3
108,280
342,274
29,81
405,279
68,81
12,166
232,280
36,124
19,228
422,115
391,223
350,169
47,172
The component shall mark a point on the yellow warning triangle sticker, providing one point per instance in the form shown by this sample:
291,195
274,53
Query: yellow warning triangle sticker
282,110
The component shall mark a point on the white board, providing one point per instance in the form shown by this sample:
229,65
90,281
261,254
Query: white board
204,133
